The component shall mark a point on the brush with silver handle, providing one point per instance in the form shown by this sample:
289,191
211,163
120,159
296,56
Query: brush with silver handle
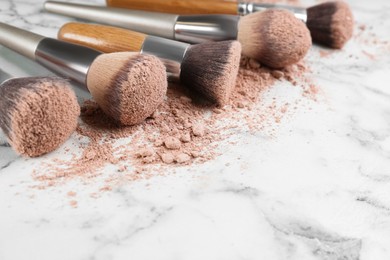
127,86
259,33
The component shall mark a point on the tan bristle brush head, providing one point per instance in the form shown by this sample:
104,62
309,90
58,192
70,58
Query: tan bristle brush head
330,23
37,114
211,69
128,86
274,37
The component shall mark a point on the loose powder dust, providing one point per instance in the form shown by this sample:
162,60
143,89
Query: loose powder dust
184,130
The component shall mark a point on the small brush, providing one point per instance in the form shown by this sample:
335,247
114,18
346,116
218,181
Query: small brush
127,86
273,37
37,114
209,68
330,23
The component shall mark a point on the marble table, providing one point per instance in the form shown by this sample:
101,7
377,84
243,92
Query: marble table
319,189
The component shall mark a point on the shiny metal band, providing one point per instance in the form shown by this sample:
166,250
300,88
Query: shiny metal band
248,8
200,28
66,59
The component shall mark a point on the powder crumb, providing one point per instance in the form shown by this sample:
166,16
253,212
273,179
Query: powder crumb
172,143
198,130
277,74
71,194
185,138
182,158
254,64
167,158
195,154
158,142
73,203
145,152
122,168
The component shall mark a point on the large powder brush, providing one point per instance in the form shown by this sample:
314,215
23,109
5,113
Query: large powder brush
274,37
330,23
209,68
37,114
127,86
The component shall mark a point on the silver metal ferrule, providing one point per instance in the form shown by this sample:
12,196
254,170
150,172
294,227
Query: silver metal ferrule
248,8
66,59
200,28
170,52
153,23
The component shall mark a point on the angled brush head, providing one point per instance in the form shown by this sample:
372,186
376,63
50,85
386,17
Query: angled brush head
127,86
274,37
37,114
330,23
211,69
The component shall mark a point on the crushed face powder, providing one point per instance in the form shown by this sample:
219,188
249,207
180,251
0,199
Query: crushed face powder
184,130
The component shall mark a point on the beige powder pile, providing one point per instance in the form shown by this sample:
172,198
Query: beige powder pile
184,130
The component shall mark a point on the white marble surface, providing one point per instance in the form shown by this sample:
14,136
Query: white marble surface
320,189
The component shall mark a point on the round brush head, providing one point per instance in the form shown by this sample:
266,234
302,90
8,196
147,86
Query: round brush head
211,69
37,114
128,86
274,37
330,23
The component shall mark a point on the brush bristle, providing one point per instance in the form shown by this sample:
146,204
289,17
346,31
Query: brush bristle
127,86
330,23
37,114
211,69
274,37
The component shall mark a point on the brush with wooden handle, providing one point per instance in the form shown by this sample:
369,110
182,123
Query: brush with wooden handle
273,37
127,86
209,68
330,23
37,114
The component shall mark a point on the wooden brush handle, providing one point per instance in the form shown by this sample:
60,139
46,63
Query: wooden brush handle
178,6
103,38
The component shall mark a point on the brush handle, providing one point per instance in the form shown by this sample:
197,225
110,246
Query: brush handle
179,7
204,7
19,40
103,38
66,59
162,25
187,28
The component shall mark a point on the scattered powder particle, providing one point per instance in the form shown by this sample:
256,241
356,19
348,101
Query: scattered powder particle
185,138
254,64
73,203
167,157
71,193
198,130
277,74
145,152
172,143
182,158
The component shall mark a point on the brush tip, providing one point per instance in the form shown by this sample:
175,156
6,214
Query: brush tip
37,114
274,37
127,86
330,23
211,69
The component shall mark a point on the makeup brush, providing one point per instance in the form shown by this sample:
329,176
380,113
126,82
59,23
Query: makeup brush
127,86
330,23
273,37
209,68
37,114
